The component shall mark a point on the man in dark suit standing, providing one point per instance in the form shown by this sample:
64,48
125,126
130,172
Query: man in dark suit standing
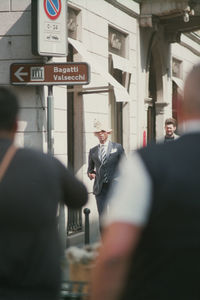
103,161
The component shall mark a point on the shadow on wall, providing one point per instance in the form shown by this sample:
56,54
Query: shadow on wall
15,47
32,125
79,136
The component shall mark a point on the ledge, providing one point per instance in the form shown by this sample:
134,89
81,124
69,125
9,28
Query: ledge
131,8
160,106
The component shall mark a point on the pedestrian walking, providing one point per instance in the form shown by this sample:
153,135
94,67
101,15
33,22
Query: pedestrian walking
31,185
102,164
151,242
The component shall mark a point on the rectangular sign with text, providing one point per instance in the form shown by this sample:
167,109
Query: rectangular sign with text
49,27
49,74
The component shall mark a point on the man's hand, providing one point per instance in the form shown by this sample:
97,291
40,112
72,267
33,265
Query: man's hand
92,176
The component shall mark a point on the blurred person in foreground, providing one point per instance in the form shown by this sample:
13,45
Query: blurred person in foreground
151,242
170,128
32,184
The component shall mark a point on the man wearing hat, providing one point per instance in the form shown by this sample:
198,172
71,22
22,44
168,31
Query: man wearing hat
103,161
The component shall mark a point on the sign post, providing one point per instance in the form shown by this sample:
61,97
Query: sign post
49,27
50,74
50,118
49,38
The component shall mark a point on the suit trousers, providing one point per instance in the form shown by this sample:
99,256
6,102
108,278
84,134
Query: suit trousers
101,198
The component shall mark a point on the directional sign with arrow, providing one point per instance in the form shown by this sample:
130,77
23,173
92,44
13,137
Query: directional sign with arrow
50,74
19,74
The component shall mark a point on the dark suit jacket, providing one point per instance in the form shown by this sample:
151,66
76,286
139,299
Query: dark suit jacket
114,154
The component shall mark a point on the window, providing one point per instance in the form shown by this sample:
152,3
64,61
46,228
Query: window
117,46
74,23
176,68
177,86
117,42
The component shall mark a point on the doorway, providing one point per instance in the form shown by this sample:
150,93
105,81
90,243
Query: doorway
151,112
74,219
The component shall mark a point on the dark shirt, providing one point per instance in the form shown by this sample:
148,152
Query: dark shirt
30,250
168,139
165,264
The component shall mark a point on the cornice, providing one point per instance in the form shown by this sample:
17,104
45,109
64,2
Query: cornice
123,8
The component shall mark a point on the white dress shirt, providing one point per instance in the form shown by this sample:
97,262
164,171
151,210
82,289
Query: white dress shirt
105,145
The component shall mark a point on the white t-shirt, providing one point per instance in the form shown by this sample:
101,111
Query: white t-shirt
130,199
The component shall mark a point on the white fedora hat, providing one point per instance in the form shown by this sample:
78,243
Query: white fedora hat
99,126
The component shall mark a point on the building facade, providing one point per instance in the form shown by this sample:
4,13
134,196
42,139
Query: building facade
139,53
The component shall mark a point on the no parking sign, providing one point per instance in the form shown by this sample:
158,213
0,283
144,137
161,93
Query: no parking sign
52,8
49,27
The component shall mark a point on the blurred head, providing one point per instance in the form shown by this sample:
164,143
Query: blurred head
8,111
190,108
170,127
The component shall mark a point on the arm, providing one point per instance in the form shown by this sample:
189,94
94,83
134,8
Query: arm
119,242
75,194
91,171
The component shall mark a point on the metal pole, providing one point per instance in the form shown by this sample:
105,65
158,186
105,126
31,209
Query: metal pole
50,119
87,226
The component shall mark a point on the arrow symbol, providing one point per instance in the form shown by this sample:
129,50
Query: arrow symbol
18,74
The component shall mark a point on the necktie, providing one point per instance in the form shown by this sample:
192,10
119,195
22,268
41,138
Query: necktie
103,155
103,160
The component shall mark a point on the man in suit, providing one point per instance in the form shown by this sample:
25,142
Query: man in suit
151,240
103,161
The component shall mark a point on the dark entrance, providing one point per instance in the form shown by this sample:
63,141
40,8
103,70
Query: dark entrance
74,219
151,113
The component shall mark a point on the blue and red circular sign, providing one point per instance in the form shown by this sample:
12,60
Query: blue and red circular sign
52,8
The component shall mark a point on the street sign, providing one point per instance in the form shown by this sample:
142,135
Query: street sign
52,8
50,74
49,27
